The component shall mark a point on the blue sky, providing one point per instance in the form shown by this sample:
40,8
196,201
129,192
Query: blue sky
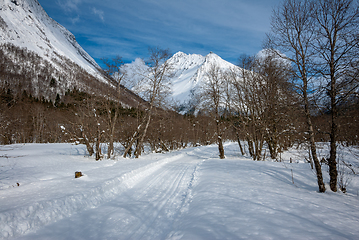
106,28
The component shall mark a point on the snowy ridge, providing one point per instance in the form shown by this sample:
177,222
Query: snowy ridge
24,23
24,219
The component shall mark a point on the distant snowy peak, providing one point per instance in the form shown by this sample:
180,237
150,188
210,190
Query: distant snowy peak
25,24
214,59
190,71
181,60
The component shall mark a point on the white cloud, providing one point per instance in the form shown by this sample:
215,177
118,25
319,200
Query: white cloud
75,20
69,5
99,13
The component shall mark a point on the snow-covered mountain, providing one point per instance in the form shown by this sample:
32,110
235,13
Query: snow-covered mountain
25,24
189,73
41,57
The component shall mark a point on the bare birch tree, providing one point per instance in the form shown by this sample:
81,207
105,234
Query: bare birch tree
248,104
213,101
276,93
292,34
112,105
337,46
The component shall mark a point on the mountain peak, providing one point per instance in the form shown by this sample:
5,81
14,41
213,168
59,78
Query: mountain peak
179,54
212,55
44,59
189,73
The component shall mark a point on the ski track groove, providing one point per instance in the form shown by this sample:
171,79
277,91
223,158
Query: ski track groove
169,203
163,199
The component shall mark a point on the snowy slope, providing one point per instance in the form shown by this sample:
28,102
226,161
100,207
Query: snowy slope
187,194
186,68
25,24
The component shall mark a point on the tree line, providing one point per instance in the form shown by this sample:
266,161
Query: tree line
320,40
305,83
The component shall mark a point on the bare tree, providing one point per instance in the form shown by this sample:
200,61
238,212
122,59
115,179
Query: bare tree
154,87
213,100
337,46
112,105
232,95
38,120
88,127
276,92
248,104
292,34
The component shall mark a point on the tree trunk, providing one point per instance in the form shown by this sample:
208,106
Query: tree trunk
89,147
239,144
258,149
333,172
272,145
110,149
220,142
220,148
97,147
140,143
318,167
129,147
250,148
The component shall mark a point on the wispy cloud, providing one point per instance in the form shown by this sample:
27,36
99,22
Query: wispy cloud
75,20
99,13
69,5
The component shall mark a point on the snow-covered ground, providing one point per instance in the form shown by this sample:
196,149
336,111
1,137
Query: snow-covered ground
186,194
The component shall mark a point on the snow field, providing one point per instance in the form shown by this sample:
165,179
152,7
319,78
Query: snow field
186,194
31,213
146,210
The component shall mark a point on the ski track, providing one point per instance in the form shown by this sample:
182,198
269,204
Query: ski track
165,193
161,190
36,215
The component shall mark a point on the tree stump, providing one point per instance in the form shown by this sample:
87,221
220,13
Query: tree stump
78,174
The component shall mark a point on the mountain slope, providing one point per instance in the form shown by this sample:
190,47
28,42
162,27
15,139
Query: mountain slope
41,57
24,23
